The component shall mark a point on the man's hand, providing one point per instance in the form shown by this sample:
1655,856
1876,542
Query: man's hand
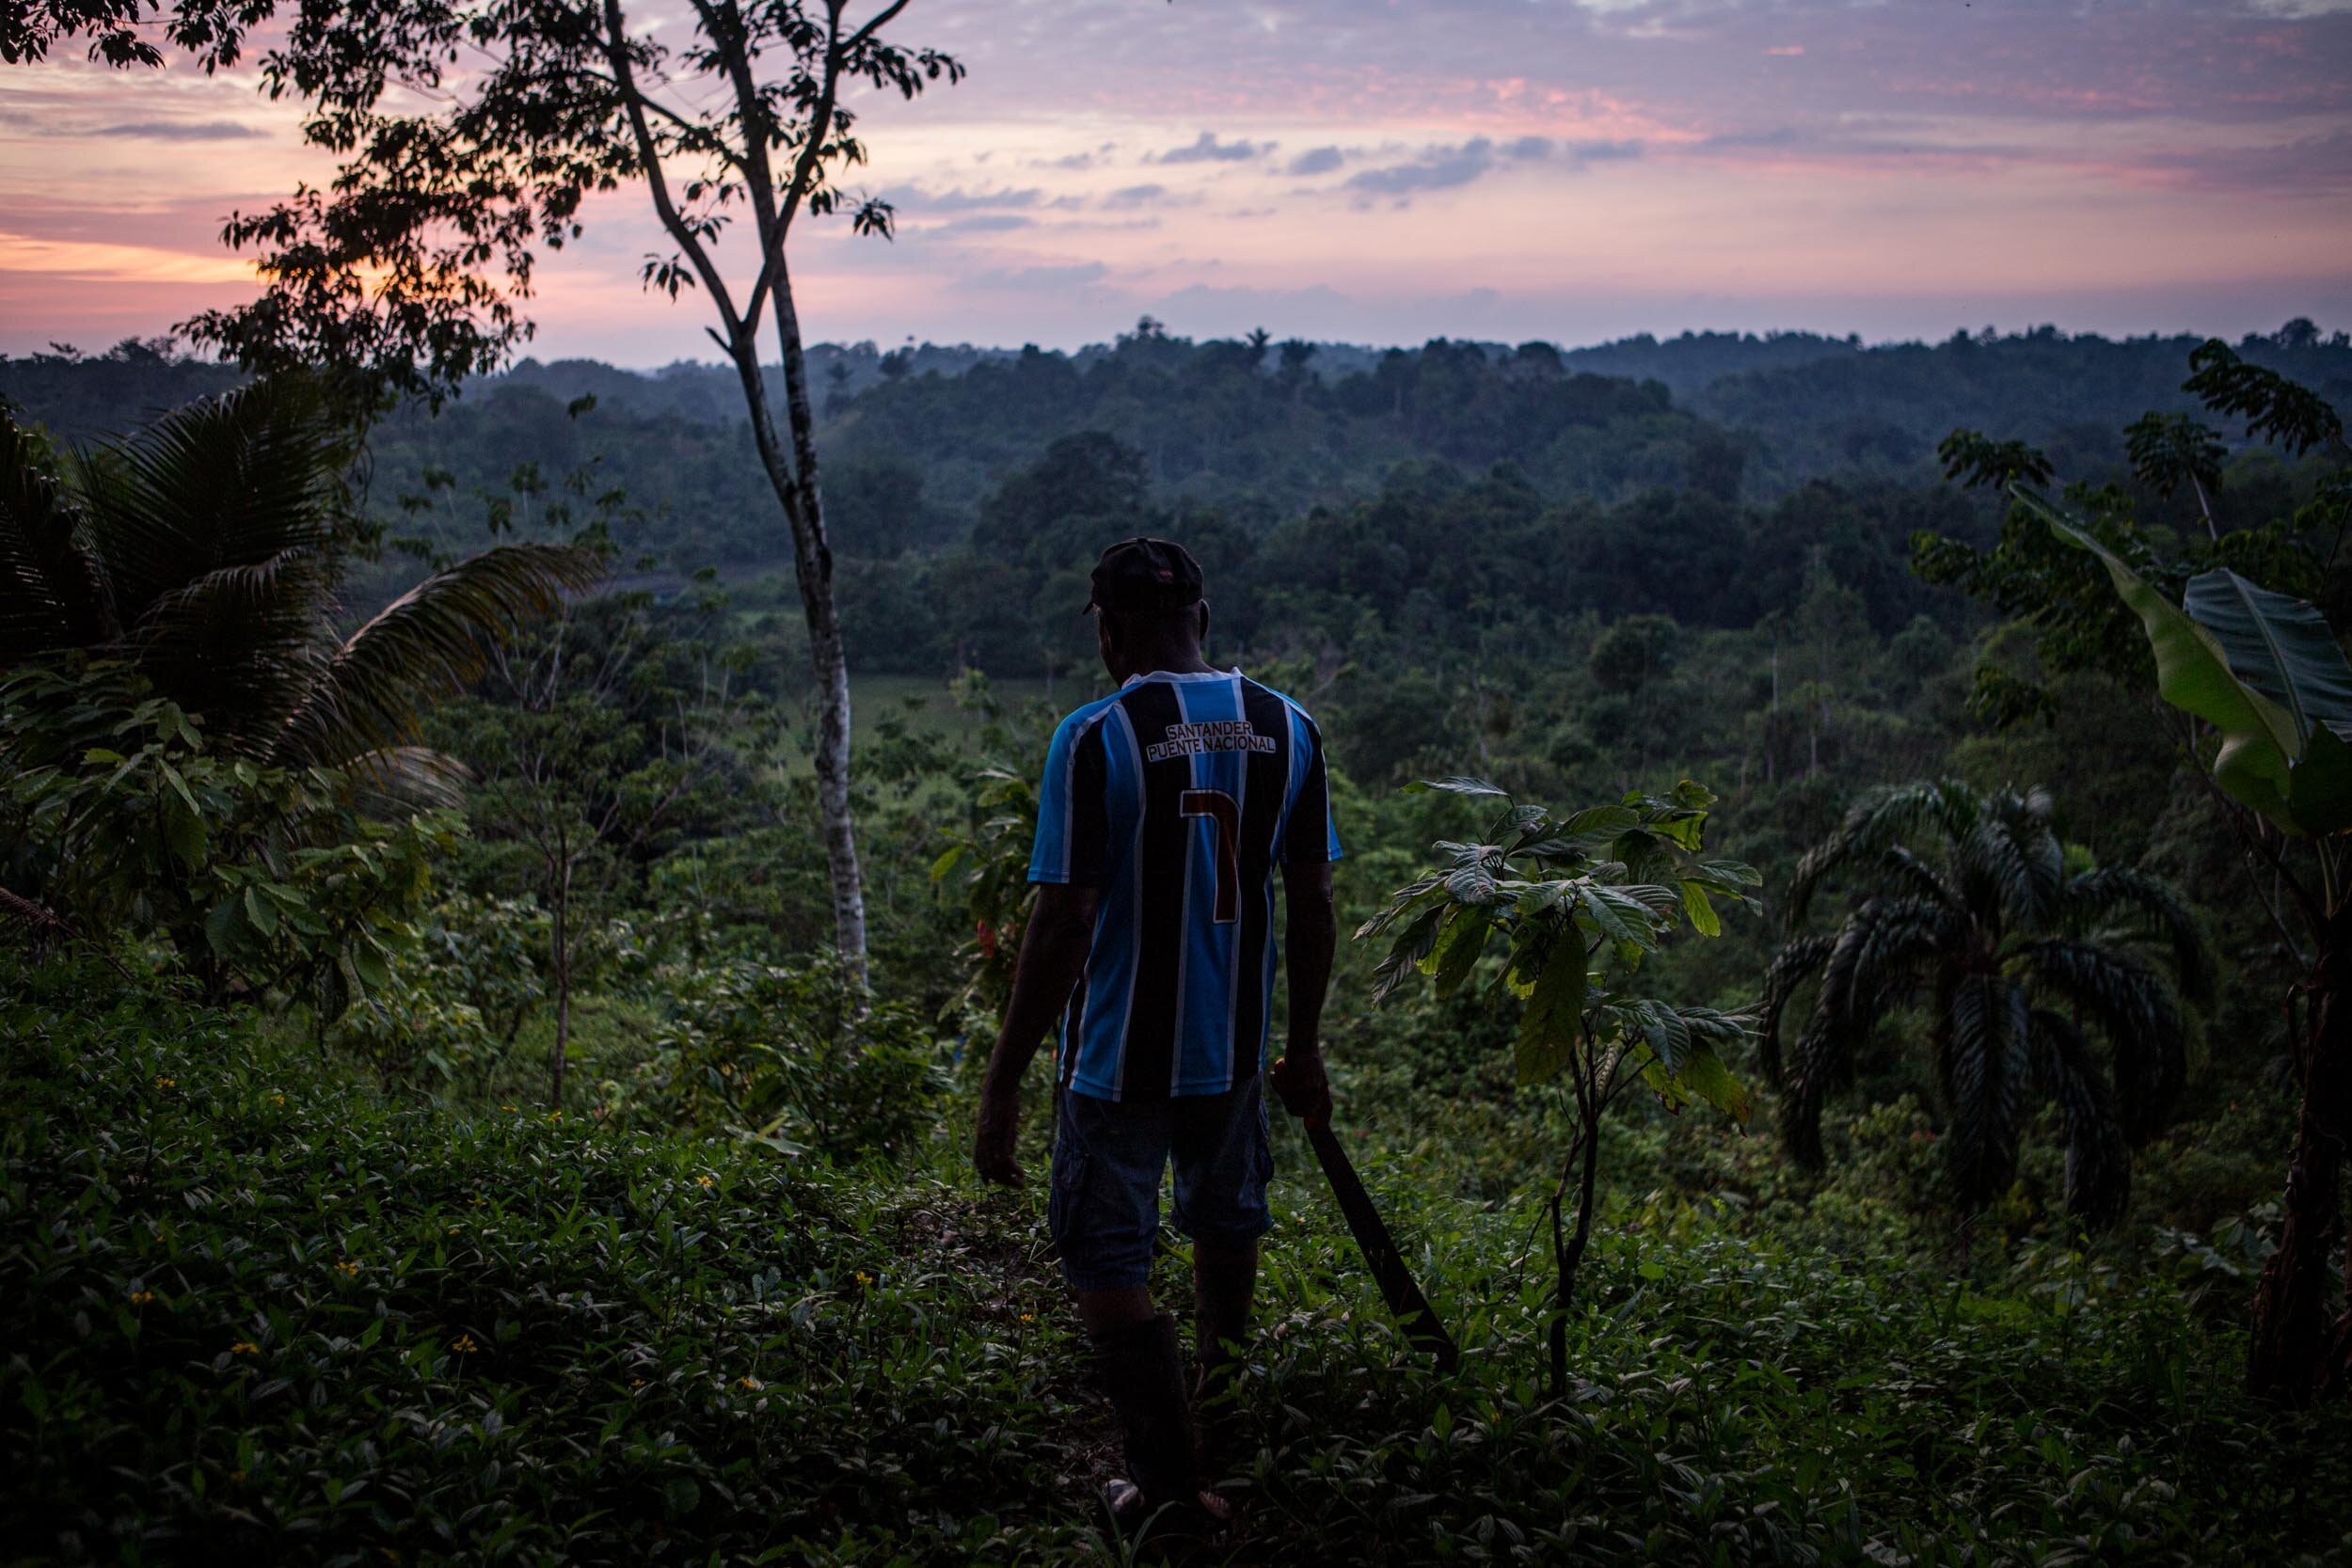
998,1136
1303,1088
1053,952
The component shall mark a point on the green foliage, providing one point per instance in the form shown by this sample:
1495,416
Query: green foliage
2023,952
1578,900
257,1306
2262,668
130,824
795,1057
206,552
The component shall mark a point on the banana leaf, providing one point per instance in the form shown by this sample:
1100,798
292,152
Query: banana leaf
2261,668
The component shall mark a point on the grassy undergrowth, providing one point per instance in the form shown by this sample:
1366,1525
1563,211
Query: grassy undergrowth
250,1310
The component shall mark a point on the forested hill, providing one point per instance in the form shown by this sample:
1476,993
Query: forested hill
919,438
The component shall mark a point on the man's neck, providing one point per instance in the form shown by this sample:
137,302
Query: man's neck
1187,663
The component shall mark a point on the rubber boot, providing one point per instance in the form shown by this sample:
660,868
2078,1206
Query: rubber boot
1143,1371
1220,1317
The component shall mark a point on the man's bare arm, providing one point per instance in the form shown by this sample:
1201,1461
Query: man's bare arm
1313,935
1053,955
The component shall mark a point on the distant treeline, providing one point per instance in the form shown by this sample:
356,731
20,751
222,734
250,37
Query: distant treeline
1690,475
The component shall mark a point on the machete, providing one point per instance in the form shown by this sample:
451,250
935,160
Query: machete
1397,1287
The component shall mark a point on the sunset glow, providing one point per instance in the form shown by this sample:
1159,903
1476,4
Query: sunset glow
1338,168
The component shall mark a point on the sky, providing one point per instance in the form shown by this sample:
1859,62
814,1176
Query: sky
1387,171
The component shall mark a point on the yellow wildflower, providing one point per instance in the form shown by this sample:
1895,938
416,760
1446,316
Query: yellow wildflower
702,1181
635,1383
141,1298
164,1082
747,1383
245,1347
277,1100
862,1277
1029,1317
348,1270
237,1476
463,1344
506,1107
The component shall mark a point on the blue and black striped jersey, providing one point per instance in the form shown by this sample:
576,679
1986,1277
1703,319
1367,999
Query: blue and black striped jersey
1178,796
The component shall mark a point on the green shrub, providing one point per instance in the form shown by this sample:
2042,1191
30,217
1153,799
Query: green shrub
250,1308
789,1054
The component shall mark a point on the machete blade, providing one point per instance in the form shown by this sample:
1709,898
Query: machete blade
1398,1288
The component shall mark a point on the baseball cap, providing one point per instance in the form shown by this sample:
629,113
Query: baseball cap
1145,576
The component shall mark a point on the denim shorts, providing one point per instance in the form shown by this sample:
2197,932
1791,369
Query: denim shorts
1105,1211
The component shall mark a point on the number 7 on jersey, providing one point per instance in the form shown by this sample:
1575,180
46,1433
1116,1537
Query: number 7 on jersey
1224,811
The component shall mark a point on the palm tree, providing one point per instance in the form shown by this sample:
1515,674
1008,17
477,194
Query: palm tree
206,552
2022,953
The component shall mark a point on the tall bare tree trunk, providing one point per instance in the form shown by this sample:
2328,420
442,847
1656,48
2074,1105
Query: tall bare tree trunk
794,479
2293,1343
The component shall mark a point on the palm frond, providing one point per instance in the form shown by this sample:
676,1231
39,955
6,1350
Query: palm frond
1819,1066
52,595
1878,819
1884,949
1791,967
2098,1166
2130,1005
1902,869
228,481
1985,1042
403,779
425,644
216,530
2010,864
2163,916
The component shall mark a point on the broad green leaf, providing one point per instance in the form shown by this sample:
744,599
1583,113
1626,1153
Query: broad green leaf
2281,646
1704,1074
1457,947
2259,738
184,828
1703,917
261,912
1456,786
179,786
225,928
1554,1015
368,965
1412,944
1601,824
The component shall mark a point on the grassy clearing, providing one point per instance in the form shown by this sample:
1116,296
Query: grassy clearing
253,1310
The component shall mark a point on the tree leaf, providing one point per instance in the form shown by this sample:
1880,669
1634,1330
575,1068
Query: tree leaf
1404,955
183,829
2259,738
1704,1074
1456,785
1455,952
225,928
1704,919
2281,646
367,964
1554,1015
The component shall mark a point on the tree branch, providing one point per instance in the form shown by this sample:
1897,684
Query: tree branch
657,179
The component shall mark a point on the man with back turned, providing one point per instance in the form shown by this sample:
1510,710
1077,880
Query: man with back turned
1164,812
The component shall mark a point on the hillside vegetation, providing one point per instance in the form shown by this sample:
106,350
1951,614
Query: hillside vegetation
441,1131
